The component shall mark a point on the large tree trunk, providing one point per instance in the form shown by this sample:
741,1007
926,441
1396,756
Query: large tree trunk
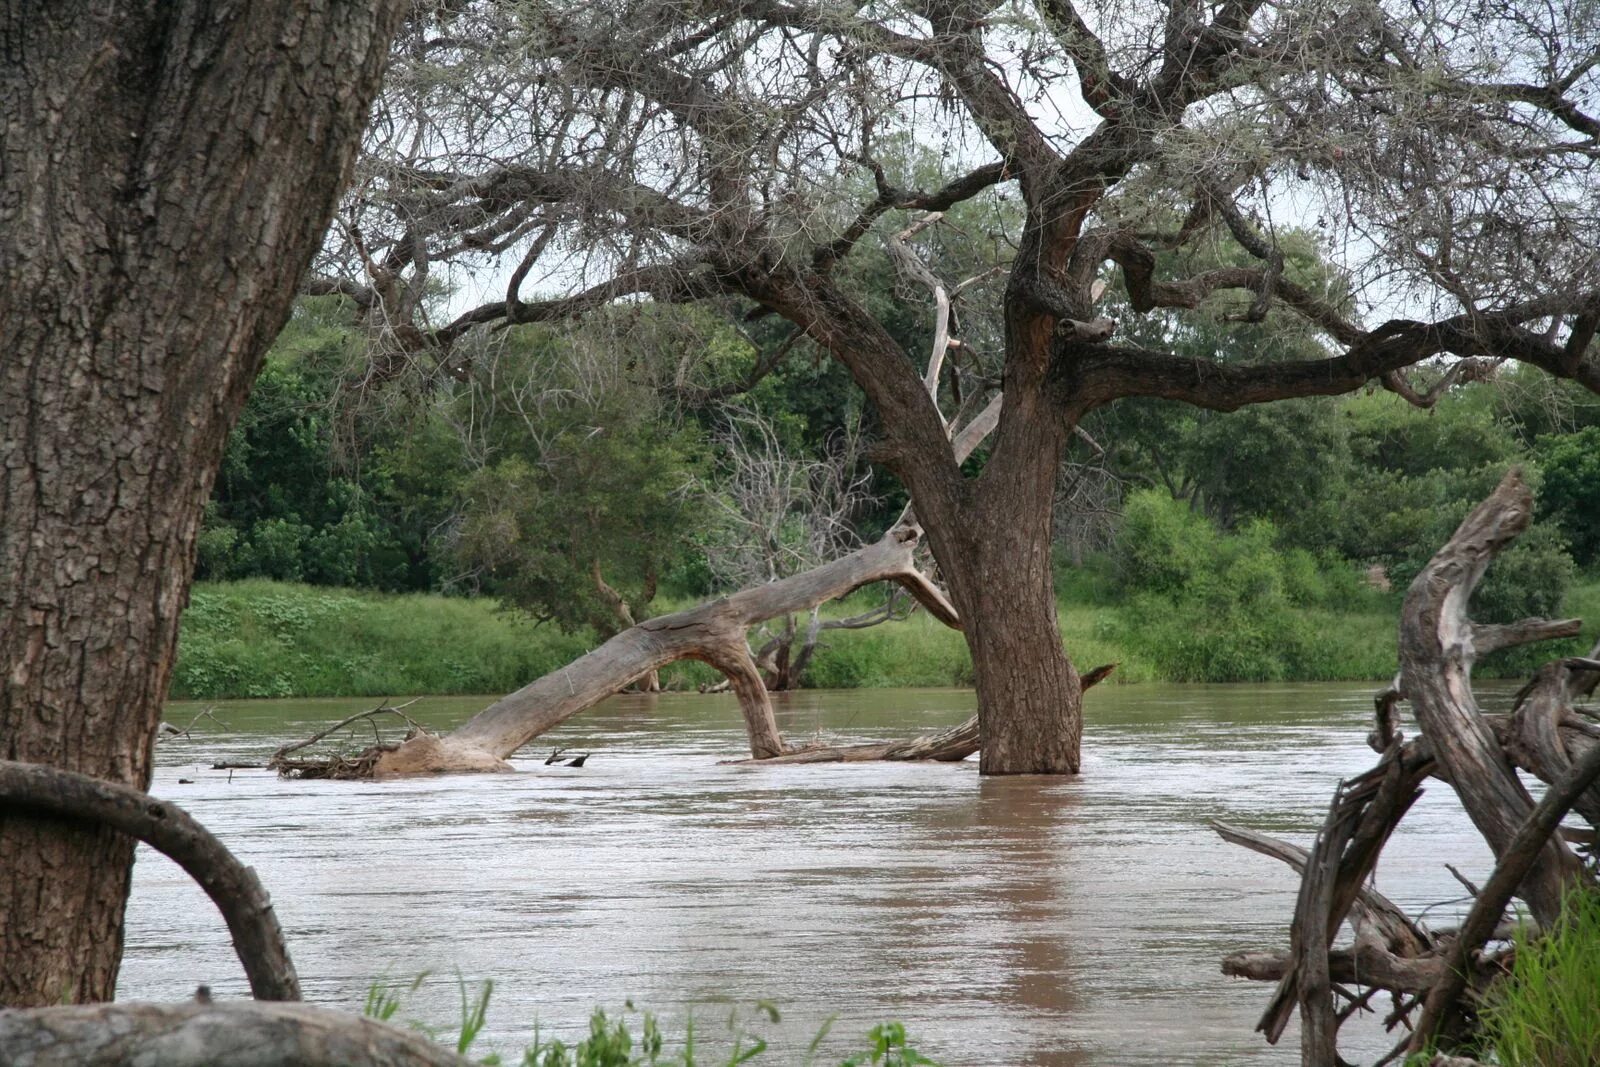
998,564
166,172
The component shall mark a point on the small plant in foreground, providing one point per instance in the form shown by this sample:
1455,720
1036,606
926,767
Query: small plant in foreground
610,1043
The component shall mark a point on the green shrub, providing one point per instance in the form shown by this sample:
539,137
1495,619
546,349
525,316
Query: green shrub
1546,1013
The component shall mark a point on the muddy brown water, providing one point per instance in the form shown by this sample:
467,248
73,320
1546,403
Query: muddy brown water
1004,921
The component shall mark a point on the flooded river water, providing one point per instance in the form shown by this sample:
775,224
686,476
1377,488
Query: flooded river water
1005,921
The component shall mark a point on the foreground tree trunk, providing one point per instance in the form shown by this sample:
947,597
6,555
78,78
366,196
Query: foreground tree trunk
166,172
202,1035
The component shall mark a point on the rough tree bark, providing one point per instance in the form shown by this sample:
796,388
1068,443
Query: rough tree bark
166,172
233,887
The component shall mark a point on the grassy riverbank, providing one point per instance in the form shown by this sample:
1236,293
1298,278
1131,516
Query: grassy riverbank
272,639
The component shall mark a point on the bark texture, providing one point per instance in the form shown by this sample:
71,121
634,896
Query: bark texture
166,171
1478,755
251,1034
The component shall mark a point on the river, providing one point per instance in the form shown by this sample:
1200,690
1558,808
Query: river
1004,921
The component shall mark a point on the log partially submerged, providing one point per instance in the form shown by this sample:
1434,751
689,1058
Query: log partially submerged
714,633
244,1034
1478,755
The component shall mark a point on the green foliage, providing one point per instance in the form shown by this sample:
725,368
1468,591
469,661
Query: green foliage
264,639
287,505
1546,1013
1207,605
1570,495
613,505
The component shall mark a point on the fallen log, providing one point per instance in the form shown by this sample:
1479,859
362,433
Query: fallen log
951,745
244,1034
167,828
714,633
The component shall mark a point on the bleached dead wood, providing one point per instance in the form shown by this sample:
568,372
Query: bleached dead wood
244,1034
1438,646
1478,755
715,633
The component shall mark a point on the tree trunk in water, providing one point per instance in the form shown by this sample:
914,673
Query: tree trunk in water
166,172
1030,698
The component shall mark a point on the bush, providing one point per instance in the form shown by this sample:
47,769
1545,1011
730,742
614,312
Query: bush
1202,605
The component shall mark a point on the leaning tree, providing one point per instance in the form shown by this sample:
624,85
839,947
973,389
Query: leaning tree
167,171
681,151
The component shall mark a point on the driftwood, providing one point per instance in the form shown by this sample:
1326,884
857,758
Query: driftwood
1524,850
244,1034
167,828
715,633
1478,755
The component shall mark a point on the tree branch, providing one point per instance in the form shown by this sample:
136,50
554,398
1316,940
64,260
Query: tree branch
167,828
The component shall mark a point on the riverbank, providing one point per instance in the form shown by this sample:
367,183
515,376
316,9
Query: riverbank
273,639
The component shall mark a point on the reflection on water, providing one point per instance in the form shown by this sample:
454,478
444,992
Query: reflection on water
1005,921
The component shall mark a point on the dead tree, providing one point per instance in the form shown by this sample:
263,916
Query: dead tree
715,633
1477,754
780,514
739,153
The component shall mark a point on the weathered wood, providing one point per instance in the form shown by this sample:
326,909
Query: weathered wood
244,1034
167,828
1400,934
1365,963
1437,651
946,746
1522,852
1364,812
1544,735
714,632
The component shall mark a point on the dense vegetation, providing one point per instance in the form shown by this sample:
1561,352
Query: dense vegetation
589,476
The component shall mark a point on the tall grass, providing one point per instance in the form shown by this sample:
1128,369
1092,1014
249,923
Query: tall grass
1546,1013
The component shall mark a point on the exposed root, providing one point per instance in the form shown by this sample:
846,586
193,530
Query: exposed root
167,828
